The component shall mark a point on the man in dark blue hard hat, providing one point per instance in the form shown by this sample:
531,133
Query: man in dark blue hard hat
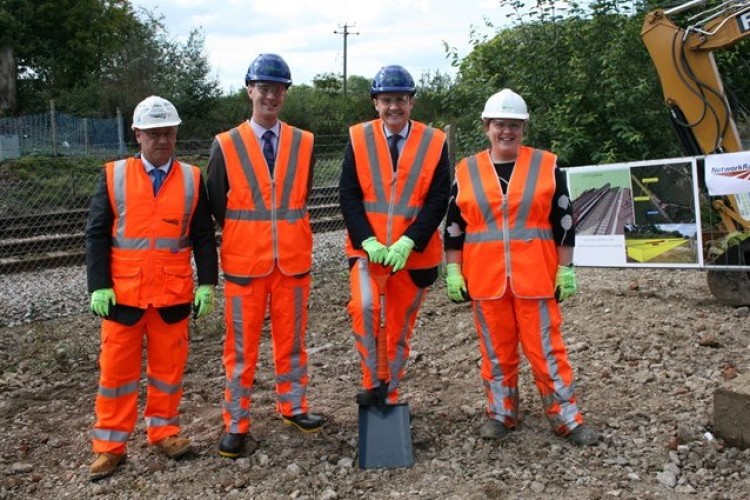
259,178
394,189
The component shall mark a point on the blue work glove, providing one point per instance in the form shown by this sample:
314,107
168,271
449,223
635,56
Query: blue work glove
565,283
398,253
456,283
204,300
100,300
376,251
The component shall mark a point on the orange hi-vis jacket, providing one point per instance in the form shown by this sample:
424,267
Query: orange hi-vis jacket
151,249
391,199
508,236
266,220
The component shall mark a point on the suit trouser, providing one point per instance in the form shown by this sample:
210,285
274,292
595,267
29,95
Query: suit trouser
246,307
501,324
402,299
120,363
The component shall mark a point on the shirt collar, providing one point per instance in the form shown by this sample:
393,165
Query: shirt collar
404,132
258,130
150,166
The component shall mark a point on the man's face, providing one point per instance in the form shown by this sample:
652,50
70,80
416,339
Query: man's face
157,144
506,137
394,109
268,100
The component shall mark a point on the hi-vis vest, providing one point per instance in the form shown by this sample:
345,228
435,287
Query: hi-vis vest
151,250
508,236
391,199
267,219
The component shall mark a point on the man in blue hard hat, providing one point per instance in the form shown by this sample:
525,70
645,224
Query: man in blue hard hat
259,178
394,189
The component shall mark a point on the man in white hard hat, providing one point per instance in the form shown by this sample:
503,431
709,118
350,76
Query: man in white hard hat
149,214
509,239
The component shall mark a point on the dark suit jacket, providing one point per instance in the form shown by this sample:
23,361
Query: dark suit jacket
99,244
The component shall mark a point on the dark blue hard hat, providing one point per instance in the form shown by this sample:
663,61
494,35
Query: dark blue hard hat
268,68
393,78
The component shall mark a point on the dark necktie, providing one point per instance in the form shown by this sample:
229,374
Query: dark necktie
158,176
393,148
268,150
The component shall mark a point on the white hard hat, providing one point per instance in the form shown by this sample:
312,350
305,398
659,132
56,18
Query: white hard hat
505,104
155,112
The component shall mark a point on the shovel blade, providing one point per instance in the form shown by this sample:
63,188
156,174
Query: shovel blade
385,437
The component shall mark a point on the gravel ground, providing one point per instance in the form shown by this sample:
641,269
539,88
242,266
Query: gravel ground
649,348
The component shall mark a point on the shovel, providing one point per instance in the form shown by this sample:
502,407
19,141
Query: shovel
384,430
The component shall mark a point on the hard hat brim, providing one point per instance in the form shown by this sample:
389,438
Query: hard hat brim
174,123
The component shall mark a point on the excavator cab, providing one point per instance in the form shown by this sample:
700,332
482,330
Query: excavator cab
704,121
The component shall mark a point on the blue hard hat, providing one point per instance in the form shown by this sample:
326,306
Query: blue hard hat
393,78
268,68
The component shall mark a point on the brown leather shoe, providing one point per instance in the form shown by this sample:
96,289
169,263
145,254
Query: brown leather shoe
173,446
105,465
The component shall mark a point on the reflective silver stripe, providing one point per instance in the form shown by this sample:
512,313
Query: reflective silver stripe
163,386
298,371
162,422
495,385
563,394
234,382
261,212
513,234
372,160
182,242
480,195
367,341
116,392
111,435
530,188
400,359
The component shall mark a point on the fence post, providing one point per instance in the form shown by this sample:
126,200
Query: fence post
120,134
86,136
450,133
54,126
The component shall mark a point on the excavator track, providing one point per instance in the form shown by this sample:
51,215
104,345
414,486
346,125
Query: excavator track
732,287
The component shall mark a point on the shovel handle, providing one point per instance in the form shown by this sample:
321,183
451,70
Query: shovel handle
380,274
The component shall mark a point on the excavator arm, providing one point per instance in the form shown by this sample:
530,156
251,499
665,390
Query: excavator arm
700,110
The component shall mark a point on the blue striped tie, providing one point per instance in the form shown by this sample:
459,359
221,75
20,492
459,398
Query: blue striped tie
158,175
268,150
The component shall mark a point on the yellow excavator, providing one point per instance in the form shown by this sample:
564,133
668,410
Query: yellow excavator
704,121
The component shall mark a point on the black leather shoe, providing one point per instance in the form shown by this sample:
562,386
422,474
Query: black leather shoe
231,445
305,422
373,397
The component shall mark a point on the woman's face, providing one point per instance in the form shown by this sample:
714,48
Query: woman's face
506,137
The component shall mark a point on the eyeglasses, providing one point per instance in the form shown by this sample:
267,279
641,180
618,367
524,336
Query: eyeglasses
266,90
155,135
398,100
513,126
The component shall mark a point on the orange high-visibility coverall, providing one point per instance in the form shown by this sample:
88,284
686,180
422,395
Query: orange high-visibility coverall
509,262
266,256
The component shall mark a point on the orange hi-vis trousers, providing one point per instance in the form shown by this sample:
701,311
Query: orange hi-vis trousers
120,363
402,299
501,324
246,307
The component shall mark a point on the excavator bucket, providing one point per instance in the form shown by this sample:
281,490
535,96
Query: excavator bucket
384,430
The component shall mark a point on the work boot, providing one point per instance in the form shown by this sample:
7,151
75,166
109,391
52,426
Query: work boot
105,465
583,435
493,429
173,446
373,397
231,445
305,422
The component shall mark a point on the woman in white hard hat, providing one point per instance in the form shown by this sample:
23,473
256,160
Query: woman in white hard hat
509,240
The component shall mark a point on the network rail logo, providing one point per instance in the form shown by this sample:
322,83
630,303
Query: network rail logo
741,172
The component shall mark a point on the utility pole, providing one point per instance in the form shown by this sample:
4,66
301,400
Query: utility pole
346,33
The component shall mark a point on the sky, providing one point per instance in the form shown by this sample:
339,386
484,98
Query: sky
412,33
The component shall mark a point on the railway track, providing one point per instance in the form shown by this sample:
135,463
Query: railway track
57,239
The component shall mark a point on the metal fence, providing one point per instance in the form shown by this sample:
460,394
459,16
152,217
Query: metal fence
56,133
42,220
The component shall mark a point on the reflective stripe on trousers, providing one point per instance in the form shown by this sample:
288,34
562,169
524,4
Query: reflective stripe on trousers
120,363
501,324
245,313
402,301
